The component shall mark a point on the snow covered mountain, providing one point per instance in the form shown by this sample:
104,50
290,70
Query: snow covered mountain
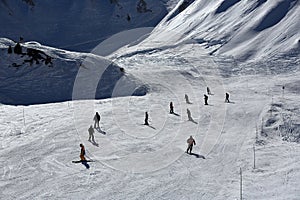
246,30
248,148
76,25
29,78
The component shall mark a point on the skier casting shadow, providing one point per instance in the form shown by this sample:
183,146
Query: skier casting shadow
227,98
190,116
82,157
91,136
172,109
187,99
197,155
147,121
191,142
100,130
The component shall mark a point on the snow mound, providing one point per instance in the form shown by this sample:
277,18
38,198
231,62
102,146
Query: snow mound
42,75
282,120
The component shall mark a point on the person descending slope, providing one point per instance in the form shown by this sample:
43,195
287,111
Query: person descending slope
97,120
205,99
208,91
82,153
189,114
191,142
227,98
187,99
146,118
91,133
171,108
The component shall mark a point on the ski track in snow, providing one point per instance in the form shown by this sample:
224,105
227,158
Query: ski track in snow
134,161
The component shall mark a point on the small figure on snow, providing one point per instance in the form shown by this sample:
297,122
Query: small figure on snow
191,142
91,133
97,120
227,98
146,118
205,99
187,99
82,153
189,115
171,108
208,91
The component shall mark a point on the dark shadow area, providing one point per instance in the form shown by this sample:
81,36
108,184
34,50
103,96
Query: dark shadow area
197,155
85,163
100,131
232,102
94,143
275,15
151,127
176,114
225,5
91,32
192,120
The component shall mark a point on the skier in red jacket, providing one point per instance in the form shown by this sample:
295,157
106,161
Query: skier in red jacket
82,153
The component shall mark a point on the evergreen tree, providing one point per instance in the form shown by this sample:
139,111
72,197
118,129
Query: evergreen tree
9,50
18,49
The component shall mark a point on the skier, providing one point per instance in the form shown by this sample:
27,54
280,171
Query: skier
227,98
189,114
171,108
97,120
191,142
187,99
208,91
146,118
205,99
82,153
91,133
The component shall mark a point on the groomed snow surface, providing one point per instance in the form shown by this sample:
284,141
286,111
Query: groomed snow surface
134,161
46,109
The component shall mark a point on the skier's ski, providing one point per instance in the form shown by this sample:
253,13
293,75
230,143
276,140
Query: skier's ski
81,161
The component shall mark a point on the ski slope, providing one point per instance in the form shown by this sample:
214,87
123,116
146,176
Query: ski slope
39,141
148,162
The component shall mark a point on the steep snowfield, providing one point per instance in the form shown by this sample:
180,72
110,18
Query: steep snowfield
134,161
70,75
246,30
76,25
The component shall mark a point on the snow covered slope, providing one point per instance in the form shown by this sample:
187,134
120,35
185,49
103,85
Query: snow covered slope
70,75
251,29
76,25
134,161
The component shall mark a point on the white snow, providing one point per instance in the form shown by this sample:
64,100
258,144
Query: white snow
134,161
